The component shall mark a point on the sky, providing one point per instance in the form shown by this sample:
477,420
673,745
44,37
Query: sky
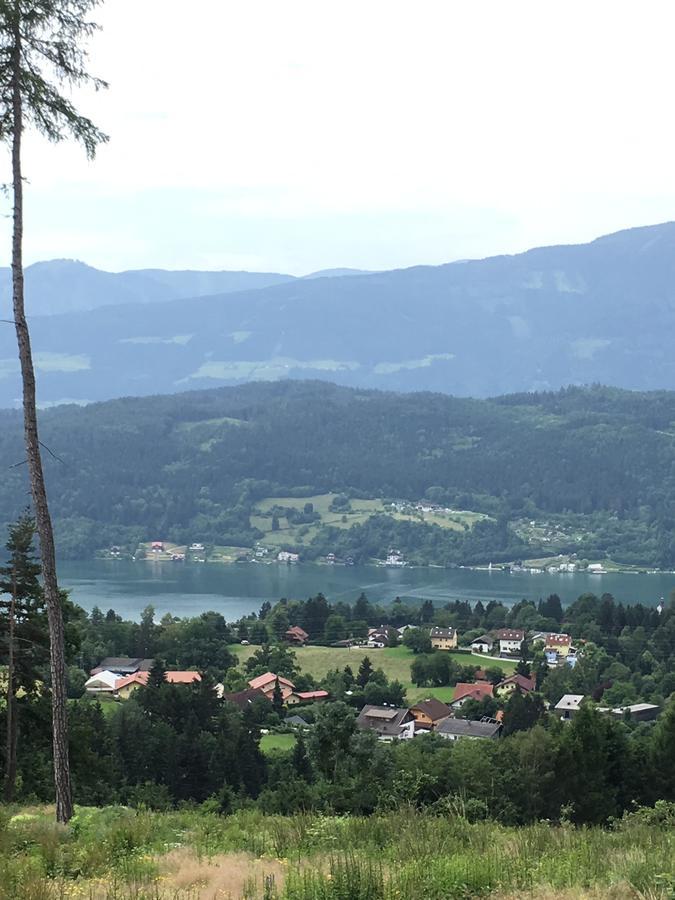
300,135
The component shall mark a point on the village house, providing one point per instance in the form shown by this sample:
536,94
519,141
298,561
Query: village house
482,644
568,706
127,685
553,642
475,690
428,713
243,699
283,556
510,640
456,729
266,682
305,697
123,665
296,635
636,712
381,637
443,638
102,682
515,683
388,722
296,722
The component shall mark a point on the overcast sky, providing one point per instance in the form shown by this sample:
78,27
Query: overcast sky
299,135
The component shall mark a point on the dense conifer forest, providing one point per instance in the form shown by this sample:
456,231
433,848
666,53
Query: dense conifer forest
595,462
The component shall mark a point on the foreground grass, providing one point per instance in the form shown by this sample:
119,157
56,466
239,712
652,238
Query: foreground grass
120,854
394,661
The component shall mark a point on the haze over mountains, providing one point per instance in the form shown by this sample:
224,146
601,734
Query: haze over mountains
597,312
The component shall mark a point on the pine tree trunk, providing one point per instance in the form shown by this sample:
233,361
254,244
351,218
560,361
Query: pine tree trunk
10,768
64,803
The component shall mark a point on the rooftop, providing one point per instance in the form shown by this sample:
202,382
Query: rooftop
432,708
262,680
569,701
468,728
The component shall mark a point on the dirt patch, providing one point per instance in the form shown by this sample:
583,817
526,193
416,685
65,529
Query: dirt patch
229,876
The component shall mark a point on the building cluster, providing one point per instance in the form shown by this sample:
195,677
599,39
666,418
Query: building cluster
508,642
119,676
570,704
392,723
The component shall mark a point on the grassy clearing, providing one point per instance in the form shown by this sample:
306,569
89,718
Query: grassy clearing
394,661
361,511
120,854
303,534
269,743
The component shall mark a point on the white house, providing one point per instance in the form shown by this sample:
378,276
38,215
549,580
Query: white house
568,705
102,683
510,640
482,644
284,556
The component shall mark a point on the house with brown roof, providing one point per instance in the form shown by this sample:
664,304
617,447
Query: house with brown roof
296,635
443,638
510,640
388,722
266,682
475,690
428,713
515,683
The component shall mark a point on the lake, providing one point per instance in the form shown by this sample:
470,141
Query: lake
235,590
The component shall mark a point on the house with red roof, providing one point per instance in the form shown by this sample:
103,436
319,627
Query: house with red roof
266,682
553,642
306,697
475,690
296,635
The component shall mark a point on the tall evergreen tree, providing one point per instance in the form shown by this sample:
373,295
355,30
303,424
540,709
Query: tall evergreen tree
41,49
277,698
365,672
23,630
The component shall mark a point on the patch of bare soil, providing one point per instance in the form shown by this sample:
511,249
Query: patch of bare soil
229,876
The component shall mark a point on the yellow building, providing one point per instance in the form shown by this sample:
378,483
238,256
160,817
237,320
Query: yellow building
443,638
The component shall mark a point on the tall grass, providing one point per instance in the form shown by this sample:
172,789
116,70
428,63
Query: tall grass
117,854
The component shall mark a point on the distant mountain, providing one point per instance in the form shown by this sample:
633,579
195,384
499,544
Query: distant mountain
66,285
337,273
554,316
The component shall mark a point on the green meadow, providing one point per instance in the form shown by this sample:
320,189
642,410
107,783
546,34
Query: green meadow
117,853
394,661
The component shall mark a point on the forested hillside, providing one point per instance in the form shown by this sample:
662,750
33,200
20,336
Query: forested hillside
595,465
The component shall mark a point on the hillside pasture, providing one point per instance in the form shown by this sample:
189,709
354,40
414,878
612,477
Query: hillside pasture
395,662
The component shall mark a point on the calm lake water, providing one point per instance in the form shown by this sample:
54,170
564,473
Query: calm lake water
236,590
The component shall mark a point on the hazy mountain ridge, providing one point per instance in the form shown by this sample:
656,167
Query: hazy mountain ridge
65,285
598,312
